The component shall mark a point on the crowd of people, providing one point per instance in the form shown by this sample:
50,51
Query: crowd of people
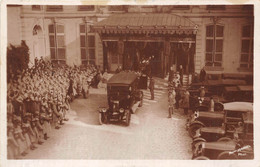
38,100
178,96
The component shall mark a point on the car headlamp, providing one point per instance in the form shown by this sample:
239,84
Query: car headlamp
121,110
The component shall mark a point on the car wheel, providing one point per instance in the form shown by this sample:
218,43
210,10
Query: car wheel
193,128
224,139
201,158
197,141
227,155
127,117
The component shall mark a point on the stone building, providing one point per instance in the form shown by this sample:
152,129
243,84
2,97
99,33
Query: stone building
219,37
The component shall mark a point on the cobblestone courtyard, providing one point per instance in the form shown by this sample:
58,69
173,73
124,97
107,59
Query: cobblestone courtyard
151,135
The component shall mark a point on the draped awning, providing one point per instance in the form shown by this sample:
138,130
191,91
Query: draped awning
152,23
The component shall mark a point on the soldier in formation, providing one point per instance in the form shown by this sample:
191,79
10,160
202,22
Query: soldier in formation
38,102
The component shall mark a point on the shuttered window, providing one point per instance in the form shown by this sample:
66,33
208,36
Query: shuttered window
87,45
57,43
214,45
247,43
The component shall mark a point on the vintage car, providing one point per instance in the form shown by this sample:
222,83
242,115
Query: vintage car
233,113
221,150
123,98
203,119
238,93
202,104
238,124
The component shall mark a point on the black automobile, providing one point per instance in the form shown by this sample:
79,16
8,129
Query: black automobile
221,150
238,124
124,96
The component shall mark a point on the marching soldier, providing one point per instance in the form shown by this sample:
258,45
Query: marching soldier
18,135
28,132
12,145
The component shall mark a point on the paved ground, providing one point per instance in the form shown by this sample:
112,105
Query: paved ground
151,135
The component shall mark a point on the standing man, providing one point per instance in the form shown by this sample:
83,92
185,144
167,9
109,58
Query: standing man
186,101
151,87
202,75
181,74
211,104
171,73
171,100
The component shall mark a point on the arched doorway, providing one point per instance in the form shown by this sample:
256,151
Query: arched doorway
38,42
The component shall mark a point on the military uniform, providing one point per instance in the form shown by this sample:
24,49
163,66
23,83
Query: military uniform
18,135
186,102
171,100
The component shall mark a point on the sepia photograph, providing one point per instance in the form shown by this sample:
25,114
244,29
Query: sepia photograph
129,82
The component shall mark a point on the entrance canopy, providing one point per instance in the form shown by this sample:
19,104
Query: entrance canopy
152,23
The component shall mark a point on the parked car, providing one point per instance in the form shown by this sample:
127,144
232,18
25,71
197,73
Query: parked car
221,150
123,98
202,104
238,93
238,124
203,119
233,113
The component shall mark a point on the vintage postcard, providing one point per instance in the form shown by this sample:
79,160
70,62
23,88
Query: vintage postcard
129,83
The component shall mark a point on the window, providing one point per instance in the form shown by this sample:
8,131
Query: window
36,7
247,43
57,43
87,45
86,8
214,45
54,8
216,7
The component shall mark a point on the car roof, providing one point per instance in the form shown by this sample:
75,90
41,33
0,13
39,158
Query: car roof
221,145
239,106
124,78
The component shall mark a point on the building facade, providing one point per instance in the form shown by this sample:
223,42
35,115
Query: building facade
219,37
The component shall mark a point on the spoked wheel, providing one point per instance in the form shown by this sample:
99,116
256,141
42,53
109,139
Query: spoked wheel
127,117
193,128
102,118
201,158
196,142
227,155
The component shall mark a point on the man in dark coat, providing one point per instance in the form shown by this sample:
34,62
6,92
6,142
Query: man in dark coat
181,74
202,75
151,87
